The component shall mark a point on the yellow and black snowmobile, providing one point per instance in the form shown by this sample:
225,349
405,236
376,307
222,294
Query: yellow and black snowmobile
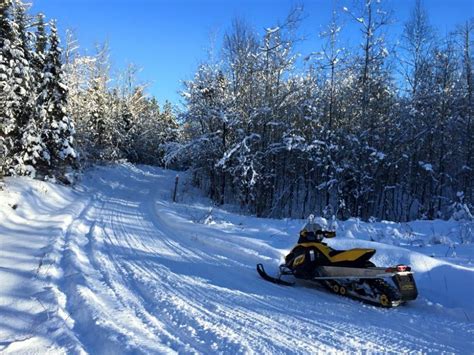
345,272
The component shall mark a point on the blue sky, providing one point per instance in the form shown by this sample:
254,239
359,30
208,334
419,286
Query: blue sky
168,39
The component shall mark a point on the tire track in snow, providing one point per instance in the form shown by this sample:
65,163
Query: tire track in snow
131,242
92,298
118,226
175,246
118,280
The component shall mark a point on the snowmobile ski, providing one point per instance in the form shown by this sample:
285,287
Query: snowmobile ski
261,271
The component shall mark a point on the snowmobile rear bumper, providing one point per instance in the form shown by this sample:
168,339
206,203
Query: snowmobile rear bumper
406,286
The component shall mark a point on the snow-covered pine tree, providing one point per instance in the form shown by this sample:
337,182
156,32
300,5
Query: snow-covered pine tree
6,114
15,82
170,130
96,105
99,134
143,137
31,153
128,117
155,130
59,133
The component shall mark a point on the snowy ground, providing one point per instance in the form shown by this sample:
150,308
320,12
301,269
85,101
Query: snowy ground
113,266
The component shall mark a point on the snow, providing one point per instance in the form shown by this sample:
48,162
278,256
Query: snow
426,166
272,30
114,266
379,155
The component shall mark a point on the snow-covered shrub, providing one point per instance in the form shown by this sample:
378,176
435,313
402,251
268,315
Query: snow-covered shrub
440,240
460,210
466,233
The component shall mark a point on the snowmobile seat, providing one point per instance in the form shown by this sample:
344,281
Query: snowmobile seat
325,255
352,255
335,252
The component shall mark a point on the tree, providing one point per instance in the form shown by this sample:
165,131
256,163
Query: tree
31,152
59,133
15,84
208,116
6,113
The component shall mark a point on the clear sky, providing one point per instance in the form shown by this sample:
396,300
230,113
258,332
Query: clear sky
168,38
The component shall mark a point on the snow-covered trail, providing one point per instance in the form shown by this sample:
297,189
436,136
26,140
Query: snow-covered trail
137,273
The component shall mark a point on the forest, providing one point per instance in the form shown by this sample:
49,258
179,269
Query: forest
380,130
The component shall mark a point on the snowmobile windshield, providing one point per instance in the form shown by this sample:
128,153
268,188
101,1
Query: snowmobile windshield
314,232
311,232
312,227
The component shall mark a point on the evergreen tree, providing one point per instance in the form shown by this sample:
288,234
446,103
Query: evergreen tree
31,152
6,114
59,128
14,85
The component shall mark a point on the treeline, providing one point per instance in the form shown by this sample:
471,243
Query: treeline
60,110
381,131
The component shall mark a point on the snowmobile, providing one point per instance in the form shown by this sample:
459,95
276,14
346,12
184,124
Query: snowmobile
345,272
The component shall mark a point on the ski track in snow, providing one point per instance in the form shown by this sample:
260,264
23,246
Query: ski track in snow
132,273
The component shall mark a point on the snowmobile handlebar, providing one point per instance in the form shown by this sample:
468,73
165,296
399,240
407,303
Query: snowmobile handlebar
326,234
319,233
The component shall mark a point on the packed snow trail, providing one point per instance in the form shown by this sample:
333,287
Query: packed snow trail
128,271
